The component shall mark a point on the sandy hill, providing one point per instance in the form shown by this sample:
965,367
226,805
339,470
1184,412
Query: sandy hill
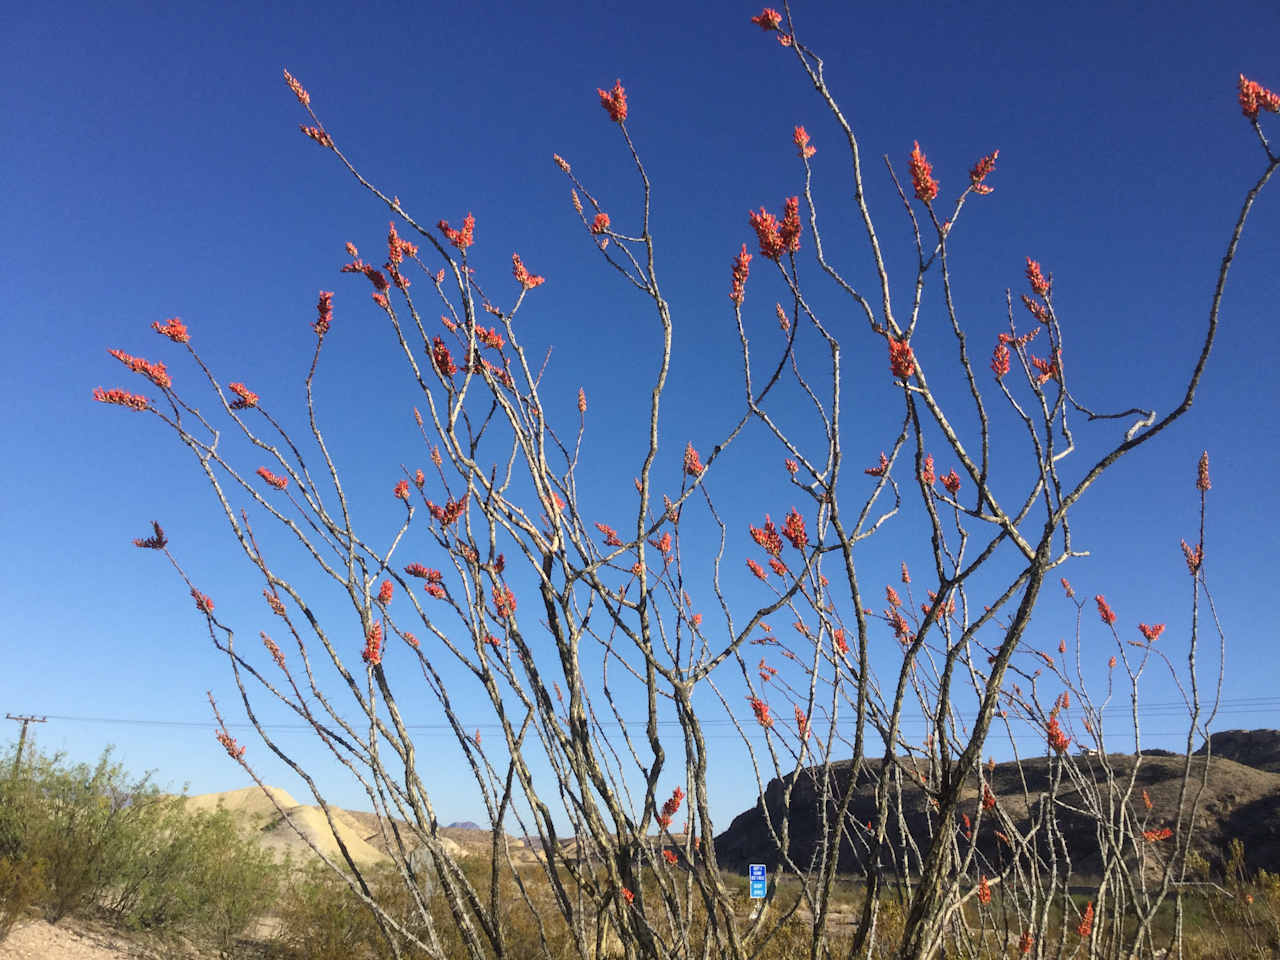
258,815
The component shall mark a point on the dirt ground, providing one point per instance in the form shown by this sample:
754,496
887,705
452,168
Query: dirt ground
77,939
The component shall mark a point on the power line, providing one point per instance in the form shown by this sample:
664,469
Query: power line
1149,711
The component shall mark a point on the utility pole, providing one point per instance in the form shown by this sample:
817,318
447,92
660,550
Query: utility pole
22,737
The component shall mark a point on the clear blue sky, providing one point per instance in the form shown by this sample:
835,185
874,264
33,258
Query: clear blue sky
154,168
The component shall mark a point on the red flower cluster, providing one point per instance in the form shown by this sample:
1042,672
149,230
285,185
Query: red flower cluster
1000,360
1036,308
1086,922
671,857
984,891
1048,370
397,249
922,176
927,475
523,277
274,602
1255,97
980,171
671,807
692,462
840,642
793,530
1058,741
273,648
952,482
386,591
491,337
628,896
504,601
155,372
988,798
425,573
203,603
777,238
402,491
247,398
1104,611
460,238
1194,557
324,312
304,98
373,645
157,542
600,224
234,750
442,358
173,328
902,362
614,102
1202,473
757,570
801,140
450,512
791,466
767,19
802,724
891,595
123,398
278,482
316,134
1151,836
1036,278
768,537
1151,633
878,471
1026,942
741,270
611,538
761,710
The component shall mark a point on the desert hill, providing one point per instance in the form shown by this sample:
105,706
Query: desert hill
257,815
1239,802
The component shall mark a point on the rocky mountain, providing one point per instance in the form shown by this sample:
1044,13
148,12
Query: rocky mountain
1259,749
1239,801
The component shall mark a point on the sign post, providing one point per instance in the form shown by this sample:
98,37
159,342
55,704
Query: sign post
759,881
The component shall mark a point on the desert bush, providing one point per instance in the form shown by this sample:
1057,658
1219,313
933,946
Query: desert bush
198,875
75,839
553,620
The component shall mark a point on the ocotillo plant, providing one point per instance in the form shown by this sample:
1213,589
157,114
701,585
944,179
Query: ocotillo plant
560,621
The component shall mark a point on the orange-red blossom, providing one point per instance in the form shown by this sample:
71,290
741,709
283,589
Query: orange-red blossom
614,102
926,186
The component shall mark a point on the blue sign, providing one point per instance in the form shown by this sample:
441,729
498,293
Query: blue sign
756,872
757,889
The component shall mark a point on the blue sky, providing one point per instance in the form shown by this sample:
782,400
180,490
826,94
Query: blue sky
155,169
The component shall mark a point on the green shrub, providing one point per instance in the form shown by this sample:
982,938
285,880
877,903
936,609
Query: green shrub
74,839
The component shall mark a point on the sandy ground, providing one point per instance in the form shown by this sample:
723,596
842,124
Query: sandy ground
77,939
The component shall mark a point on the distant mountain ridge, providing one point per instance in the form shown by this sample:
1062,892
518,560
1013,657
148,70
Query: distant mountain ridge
1259,749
